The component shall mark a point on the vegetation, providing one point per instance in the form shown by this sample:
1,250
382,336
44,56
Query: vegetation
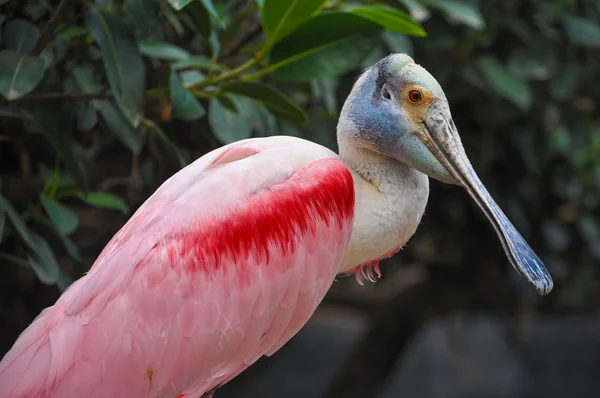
102,100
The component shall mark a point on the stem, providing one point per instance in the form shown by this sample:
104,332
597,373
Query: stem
228,75
259,73
48,33
268,69
212,94
55,178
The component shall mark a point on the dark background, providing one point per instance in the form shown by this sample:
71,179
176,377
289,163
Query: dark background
450,317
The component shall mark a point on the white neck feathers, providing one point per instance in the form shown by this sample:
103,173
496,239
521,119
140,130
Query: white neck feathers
390,201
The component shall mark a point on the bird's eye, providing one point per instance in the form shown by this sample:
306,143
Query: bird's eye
415,96
385,93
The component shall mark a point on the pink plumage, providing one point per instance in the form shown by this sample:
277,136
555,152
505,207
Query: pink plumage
223,264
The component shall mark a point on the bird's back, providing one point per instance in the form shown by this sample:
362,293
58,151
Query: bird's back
223,264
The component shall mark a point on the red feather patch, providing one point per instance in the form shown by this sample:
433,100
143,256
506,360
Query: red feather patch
321,193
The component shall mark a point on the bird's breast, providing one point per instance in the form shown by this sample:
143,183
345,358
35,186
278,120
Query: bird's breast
386,216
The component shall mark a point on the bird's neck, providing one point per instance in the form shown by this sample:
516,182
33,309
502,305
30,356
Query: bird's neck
390,201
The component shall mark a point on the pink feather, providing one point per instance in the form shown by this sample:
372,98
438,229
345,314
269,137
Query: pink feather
223,264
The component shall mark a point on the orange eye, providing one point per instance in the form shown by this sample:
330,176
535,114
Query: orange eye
415,96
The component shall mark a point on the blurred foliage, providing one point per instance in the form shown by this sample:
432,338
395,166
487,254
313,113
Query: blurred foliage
102,100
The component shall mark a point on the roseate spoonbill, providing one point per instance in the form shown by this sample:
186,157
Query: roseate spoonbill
229,258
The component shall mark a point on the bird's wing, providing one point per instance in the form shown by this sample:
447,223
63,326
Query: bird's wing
228,259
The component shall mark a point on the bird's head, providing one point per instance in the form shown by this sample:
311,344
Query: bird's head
398,109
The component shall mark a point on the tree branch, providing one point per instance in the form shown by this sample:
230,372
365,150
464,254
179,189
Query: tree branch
66,96
48,33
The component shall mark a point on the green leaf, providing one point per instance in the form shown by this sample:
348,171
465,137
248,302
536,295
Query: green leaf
54,53
227,126
179,4
185,105
208,4
174,21
215,44
196,62
87,117
330,44
84,79
583,31
47,174
191,77
391,19
71,33
122,61
58,139
145,14
273,99
131,137
227,103
104,200
68,244
63,219
20,35
162,50
200,18
281,17
16,221
19,74
506,83
168,146
114,118
51,185
42,260
40,256
461,11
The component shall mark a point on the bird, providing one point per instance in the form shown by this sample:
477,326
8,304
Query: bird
229,258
